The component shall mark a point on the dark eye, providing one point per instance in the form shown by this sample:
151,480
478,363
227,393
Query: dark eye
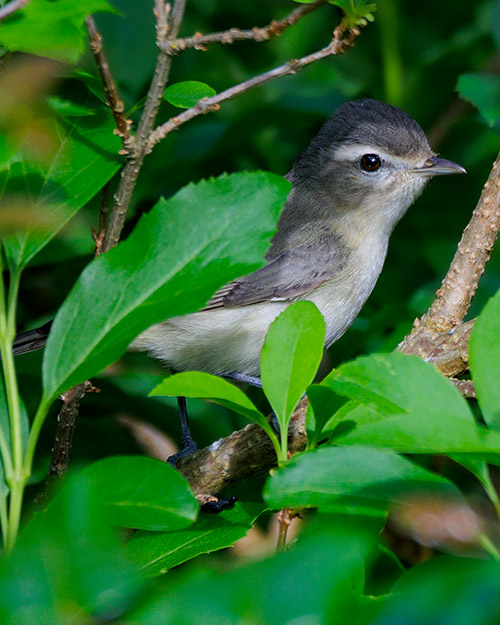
370,162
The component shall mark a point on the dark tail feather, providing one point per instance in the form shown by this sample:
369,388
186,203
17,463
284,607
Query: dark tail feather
32,340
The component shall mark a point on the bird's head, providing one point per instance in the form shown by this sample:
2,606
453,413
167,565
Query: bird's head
370,157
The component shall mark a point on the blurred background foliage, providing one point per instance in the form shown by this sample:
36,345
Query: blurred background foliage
411,56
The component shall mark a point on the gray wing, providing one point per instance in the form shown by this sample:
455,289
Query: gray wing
287,276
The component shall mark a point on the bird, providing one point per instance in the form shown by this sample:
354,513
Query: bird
350,187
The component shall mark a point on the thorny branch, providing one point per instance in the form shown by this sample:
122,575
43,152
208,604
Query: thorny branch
112,97
258,34
338,45
439,337
459,285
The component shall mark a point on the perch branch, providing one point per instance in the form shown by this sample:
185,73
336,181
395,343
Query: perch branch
439,337
460,283
112,98
338,45
258,34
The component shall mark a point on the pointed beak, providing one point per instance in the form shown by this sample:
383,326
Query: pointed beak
434,166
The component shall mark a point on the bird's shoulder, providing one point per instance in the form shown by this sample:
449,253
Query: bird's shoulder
290,273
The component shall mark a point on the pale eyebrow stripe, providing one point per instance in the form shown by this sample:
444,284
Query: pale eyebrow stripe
351,152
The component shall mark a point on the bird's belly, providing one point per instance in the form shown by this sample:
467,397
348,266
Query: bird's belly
224,340
228,340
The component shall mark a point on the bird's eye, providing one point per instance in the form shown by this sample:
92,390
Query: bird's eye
370,162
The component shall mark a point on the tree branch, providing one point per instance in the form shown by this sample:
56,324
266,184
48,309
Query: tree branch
460,283
167,27
258,34
337,46
439,338
112,98
66,420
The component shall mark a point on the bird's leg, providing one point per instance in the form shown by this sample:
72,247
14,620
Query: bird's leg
253,380
188,444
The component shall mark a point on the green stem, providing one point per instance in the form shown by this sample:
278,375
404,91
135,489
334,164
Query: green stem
5,348
488,546
491,491
391,54
7,334
15,506
4,520
284,445
38,421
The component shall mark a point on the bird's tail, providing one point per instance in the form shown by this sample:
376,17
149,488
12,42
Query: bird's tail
32,340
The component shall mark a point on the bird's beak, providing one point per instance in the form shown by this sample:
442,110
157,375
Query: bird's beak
434,166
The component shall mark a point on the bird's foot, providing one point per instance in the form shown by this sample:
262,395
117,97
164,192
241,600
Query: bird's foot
214,505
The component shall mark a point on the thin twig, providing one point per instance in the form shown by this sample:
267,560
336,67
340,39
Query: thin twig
258,34
284,521
12,7
66,420
112,98
98,235
337,46
167,27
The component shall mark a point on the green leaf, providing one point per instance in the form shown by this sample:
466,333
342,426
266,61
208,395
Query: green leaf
85,159
196,384
156,553
407,405
290,357
484,358
67,108
162,270
318,478
142,493
68,561
484,92
323,404
309,584
356,12
462,591
186,94
52,29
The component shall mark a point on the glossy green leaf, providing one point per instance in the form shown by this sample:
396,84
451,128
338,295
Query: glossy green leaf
484,358
309,584
67,108
445,589
484,92
205,386
318,478
163,269
68,561
290,357
156,553
323,404
393,384
143,493
186,94
52,29
407,405
85,159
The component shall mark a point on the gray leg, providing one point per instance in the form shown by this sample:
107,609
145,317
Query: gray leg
188,444
253,380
